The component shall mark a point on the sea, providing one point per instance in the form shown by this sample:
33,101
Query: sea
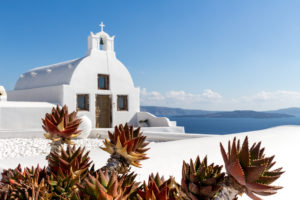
221,126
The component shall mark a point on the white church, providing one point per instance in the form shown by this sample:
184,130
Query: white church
97,85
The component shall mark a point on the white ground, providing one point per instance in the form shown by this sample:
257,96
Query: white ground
166,158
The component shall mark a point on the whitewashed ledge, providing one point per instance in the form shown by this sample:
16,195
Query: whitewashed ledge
6,134
155,136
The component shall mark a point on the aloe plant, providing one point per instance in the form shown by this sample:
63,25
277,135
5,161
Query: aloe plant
200,180
126,147
61,127
28,184
159,188
249,171
72,161
107,187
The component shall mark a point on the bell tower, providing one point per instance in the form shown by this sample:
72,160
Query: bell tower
100,42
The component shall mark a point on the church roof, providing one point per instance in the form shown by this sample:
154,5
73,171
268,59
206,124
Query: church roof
56,74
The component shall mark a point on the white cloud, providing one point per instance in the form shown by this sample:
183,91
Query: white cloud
179,98
206,95
266,100
280,95
211,94
150,96
211,100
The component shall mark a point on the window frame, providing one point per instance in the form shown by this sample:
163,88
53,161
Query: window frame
126,103
86,102
106,77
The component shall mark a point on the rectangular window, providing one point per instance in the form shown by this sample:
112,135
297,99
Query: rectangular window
122,103
83,102
103,82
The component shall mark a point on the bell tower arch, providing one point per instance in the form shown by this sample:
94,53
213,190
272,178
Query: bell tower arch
100,41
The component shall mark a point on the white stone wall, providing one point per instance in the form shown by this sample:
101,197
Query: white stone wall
23,116
153,121
51,94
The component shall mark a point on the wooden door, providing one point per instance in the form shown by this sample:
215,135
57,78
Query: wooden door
103,111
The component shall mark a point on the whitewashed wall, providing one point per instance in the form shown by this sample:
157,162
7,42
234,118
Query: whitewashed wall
51,94
23,115
153,121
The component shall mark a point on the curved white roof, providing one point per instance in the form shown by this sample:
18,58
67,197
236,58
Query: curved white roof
101,62
56,74
79,73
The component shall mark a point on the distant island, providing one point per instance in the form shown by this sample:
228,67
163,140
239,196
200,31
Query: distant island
166,111
289,111
178,112
240,114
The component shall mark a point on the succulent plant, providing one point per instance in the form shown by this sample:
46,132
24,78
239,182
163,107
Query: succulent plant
29,184
60,126
200,180
104,186
160,189
68,169
9,174
63,186
249,170
72,161
4,191
129,184
151,191
126,146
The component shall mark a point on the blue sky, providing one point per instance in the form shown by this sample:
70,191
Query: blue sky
194,54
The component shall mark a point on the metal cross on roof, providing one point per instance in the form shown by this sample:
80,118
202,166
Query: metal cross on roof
101,25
